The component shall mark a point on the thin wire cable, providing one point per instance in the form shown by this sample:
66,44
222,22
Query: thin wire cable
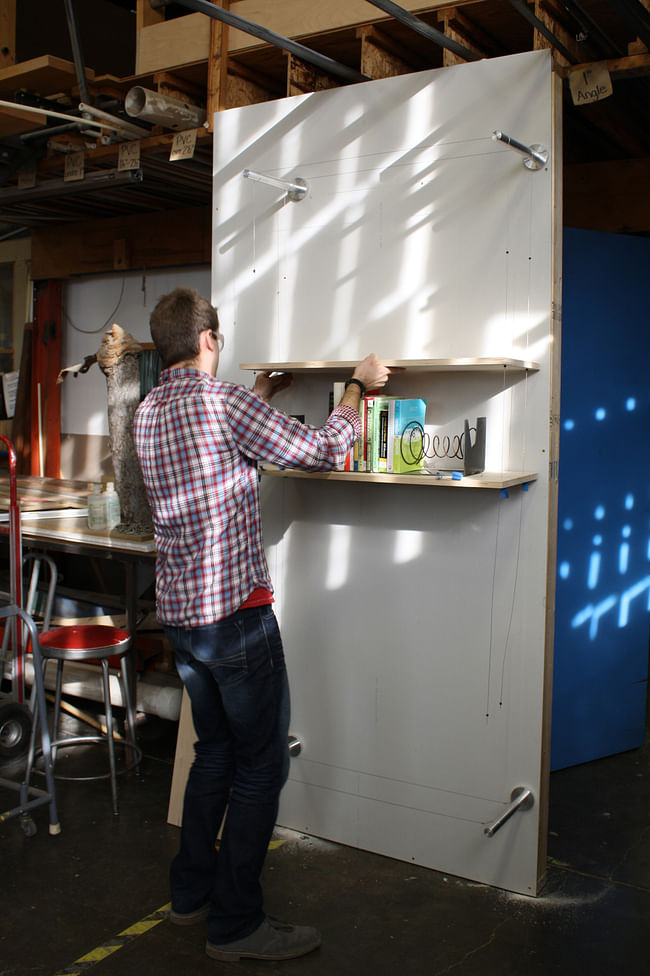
104,324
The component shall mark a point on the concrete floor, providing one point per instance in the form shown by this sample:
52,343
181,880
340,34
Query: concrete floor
65,897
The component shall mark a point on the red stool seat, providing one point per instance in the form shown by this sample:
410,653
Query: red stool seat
85,642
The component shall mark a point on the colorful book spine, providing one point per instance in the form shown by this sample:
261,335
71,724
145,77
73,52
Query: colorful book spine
380,434
406,429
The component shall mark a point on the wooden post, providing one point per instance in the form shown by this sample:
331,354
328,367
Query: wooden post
302,77
145,15
457,27
551,16
217,66
381,57
45,434
7,32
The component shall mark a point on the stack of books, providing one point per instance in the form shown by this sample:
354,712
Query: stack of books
392,436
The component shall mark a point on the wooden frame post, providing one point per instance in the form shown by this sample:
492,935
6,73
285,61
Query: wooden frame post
7,32
45,435
217,66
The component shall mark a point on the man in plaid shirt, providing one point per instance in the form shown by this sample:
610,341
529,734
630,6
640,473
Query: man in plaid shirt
198,440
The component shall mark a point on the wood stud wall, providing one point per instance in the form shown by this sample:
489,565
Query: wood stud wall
232,81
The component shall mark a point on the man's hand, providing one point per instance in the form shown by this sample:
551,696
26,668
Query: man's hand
269,383
372,373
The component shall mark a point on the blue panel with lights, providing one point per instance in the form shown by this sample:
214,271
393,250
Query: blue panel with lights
603,552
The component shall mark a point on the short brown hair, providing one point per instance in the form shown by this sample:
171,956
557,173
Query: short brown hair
176,323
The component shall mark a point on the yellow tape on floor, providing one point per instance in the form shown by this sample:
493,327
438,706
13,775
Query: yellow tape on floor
101,952
138,928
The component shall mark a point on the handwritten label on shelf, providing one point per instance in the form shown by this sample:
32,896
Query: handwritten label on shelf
590,83
74,166
129,155
183,145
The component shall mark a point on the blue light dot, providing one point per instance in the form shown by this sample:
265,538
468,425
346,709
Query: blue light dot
600,512
597,540
629,502
569,424
630,403
626,531
567,524
564,570
600,413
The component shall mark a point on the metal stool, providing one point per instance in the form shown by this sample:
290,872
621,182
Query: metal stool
93,643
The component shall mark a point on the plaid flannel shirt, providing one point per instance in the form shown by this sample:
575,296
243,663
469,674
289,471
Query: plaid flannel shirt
197,440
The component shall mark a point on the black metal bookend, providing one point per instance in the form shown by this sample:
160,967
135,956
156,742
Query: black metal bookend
474,454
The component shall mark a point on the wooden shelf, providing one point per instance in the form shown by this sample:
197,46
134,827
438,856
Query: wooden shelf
413,365
487,479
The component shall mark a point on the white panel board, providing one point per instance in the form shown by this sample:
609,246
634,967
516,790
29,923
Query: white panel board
413,621
91,305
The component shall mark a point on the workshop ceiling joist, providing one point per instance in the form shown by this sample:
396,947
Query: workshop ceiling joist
225,53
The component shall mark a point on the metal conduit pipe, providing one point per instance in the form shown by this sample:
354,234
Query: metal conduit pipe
264,34
141,103
528,15
55,130
76,51
594,35
421,27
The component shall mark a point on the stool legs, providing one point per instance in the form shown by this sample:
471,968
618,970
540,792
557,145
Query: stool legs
133,753
128,704
110,741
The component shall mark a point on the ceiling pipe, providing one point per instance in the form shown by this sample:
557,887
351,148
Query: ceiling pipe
141,103
592,32
127,129
320,61
421,27
33,110
76,51
55,130
528,15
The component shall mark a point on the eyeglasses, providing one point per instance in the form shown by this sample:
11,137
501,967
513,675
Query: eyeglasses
218,338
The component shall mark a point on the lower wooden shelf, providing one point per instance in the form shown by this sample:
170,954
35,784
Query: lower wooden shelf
487,479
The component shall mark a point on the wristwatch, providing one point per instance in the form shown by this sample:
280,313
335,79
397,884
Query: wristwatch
353,379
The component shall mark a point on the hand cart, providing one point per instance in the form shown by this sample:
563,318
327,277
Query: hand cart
19,723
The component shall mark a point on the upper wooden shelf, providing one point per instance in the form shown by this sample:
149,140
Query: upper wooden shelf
46,74
413,365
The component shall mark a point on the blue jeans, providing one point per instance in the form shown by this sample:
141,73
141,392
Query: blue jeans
236,679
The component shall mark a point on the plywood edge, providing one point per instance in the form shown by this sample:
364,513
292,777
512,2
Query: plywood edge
183,759
45,74
423,365
554,447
